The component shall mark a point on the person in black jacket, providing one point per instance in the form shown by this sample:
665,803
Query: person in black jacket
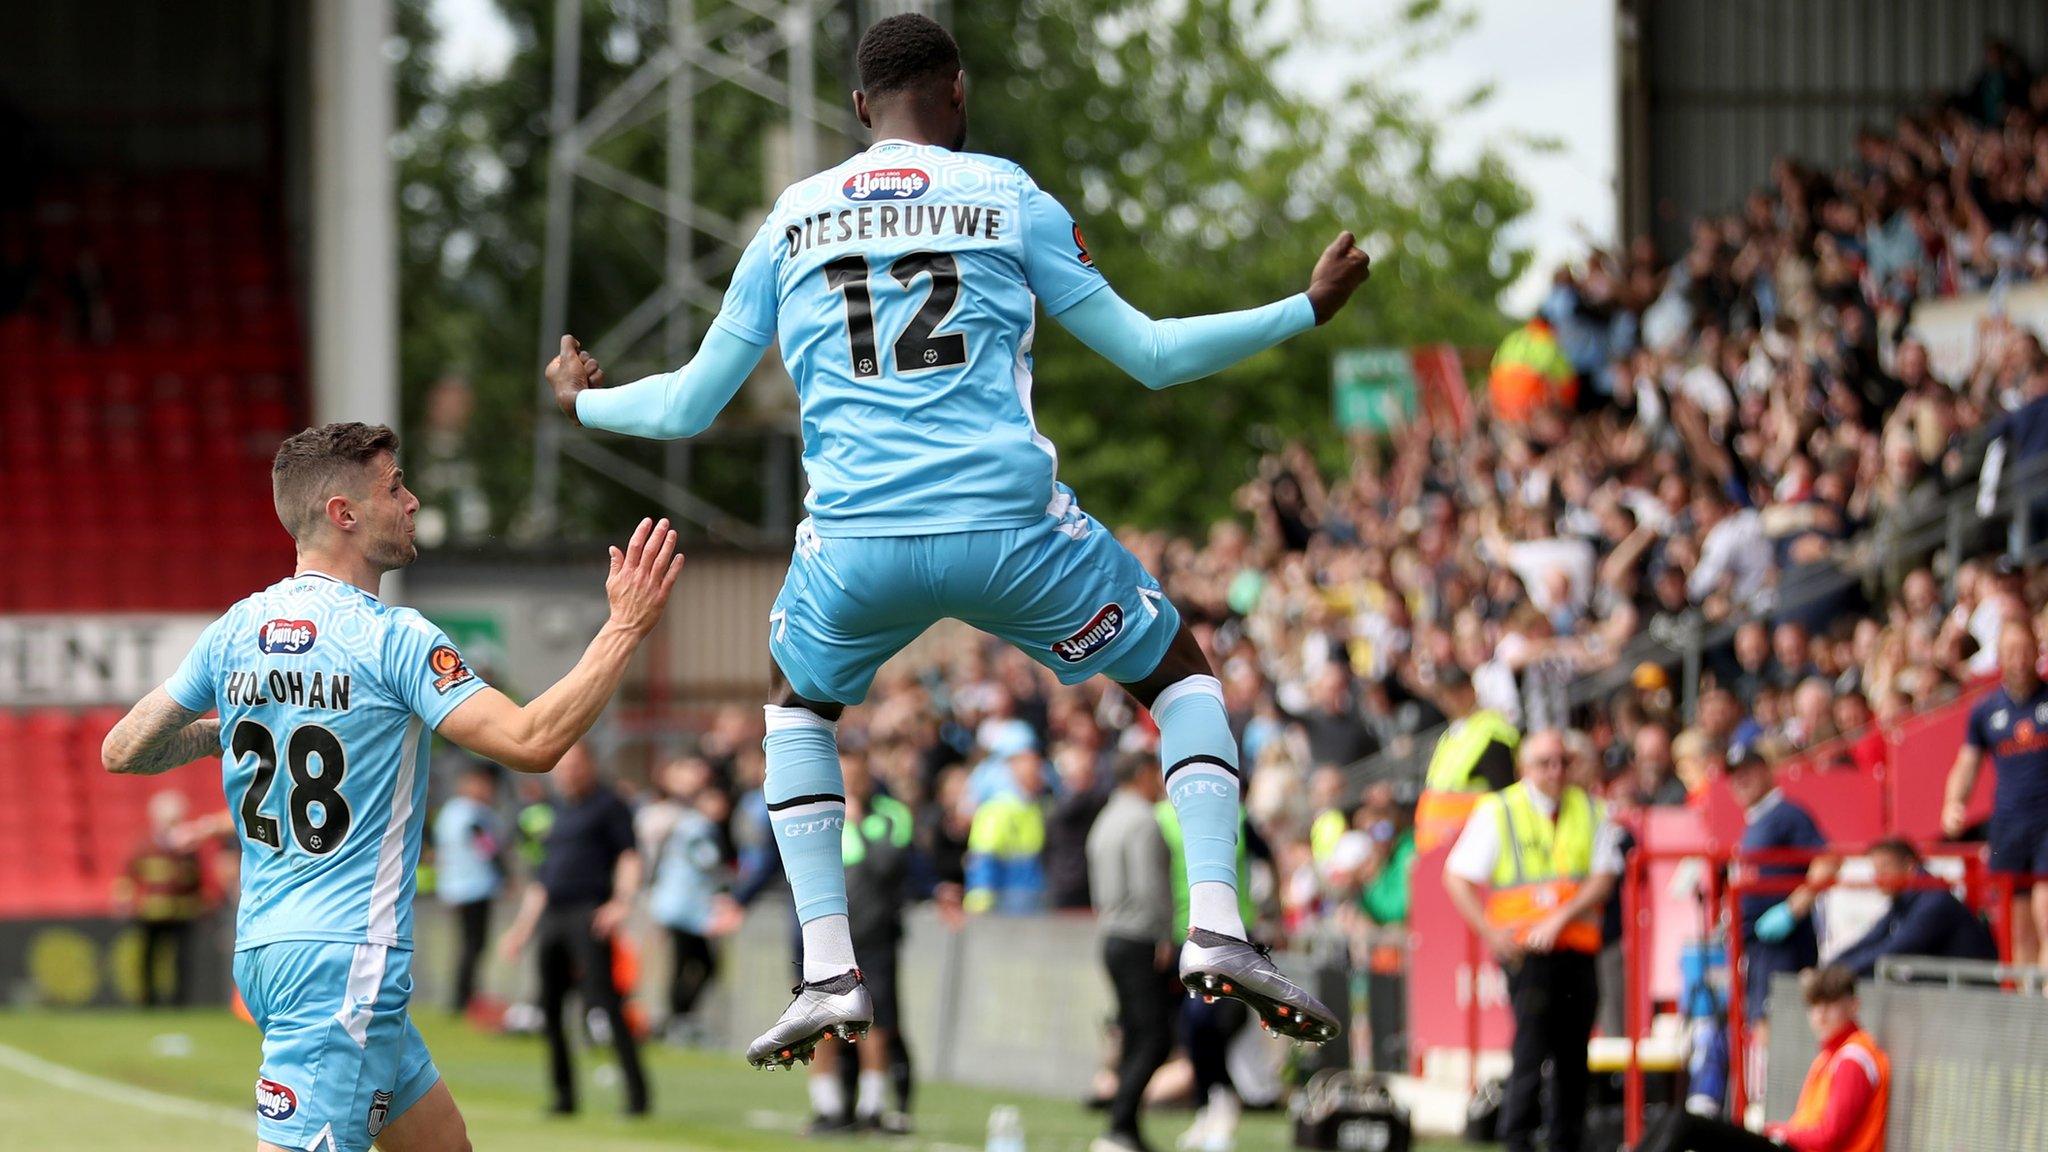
1922,921
1066,828
879,848
590,872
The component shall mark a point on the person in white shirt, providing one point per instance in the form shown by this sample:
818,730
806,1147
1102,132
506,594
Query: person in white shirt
1530,874
1735,555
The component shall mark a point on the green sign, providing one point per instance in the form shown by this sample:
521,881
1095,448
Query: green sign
478,636
1373,389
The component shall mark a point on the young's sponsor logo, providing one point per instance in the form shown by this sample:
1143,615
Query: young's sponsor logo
1081,248
275,1101
286,637
887,184
448,668
1094,636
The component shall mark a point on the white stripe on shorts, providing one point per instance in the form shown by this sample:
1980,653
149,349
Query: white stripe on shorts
359,1003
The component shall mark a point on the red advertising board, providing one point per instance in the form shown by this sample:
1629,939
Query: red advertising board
1447,969
1922,752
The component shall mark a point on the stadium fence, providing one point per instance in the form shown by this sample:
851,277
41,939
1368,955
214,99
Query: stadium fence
1968,1042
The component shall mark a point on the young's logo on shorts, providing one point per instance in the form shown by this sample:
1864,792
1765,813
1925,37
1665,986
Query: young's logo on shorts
286,637
887,184
1093,637
274,1101
380,1111
448,668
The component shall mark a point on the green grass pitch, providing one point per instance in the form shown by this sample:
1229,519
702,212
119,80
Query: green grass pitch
179,1081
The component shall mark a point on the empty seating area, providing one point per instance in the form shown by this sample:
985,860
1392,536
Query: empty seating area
68,828
154,364
153,361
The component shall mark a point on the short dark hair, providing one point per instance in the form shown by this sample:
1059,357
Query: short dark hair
1830,985
1898,847
904,52
308,465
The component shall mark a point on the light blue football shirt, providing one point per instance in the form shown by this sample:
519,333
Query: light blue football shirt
902,285
467,838
328,698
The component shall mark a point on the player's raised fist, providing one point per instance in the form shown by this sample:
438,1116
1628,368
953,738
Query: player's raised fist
571,371
642,576
1342,267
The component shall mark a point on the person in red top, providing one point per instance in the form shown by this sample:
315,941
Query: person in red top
1842,1104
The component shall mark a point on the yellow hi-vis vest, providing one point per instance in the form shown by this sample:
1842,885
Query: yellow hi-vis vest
1449,790
1542,862
1530,372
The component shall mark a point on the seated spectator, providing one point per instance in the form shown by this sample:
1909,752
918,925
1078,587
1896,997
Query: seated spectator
1922,920
1857,723
1753,668
1653,776
1841,1106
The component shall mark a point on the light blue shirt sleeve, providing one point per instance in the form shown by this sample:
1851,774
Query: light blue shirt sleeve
681,403
192,685
1057,264
1162,353
684,402
424,668
748,311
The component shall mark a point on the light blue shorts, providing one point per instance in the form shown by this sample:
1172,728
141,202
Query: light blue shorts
1063,590
341,1057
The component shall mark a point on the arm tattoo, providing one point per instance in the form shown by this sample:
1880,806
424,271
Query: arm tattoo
158,735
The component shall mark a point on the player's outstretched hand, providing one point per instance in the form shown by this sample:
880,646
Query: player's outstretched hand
1341,269
571,371
642,576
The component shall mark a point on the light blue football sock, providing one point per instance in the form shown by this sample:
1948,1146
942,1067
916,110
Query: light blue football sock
1199,757
807,808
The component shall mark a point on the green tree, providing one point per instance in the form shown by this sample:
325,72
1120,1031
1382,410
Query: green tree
1203,178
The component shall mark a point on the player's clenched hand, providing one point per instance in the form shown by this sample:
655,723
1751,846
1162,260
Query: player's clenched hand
1341,269
571,371
642,576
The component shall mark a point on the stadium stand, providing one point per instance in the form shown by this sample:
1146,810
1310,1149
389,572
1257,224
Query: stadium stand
158,316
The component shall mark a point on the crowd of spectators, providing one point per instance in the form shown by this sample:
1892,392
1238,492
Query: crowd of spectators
1752,423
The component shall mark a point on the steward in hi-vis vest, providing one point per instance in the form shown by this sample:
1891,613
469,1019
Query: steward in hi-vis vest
1529,874
1474,756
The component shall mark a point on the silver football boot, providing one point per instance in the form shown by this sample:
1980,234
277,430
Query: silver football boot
1212,965
838,1007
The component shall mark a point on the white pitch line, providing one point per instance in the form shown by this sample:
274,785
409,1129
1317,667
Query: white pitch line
113,1091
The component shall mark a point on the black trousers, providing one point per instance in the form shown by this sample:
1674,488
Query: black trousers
692,964
902,1082
574,959
1681,1131
1554,996
159,936
1145,998
473,920
1210,1028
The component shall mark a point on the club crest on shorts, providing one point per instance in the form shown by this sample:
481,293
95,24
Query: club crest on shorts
380,1111
1105,626
275,1101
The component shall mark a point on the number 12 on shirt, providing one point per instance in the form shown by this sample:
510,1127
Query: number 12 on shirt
921,346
